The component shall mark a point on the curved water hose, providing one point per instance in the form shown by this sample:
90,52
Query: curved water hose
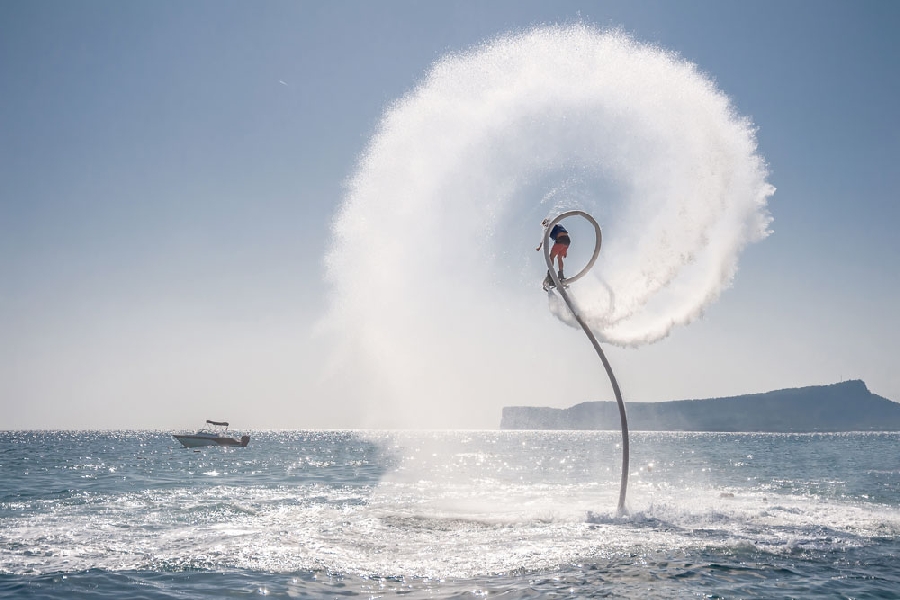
562,292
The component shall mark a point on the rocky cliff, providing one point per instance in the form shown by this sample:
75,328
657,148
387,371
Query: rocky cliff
846,406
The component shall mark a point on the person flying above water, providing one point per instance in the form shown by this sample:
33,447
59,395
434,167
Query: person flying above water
559,251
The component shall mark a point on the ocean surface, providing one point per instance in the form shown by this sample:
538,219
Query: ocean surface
449,514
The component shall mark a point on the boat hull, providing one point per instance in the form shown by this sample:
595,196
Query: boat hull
198,441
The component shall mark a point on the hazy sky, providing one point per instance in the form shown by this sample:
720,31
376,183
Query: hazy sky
169,172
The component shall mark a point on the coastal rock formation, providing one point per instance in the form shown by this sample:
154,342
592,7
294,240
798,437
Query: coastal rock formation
846,406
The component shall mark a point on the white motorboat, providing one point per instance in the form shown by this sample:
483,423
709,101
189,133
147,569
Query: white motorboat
214,435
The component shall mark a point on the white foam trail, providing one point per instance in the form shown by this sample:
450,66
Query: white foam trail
432,262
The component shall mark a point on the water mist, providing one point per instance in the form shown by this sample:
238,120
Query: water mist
435,284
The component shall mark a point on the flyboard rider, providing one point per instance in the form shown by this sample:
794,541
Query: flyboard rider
559,251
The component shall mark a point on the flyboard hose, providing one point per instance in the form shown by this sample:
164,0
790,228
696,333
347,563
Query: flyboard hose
565,295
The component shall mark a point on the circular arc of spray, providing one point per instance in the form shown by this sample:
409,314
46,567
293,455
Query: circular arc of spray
593,339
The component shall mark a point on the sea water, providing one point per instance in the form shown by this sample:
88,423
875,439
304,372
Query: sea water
441,514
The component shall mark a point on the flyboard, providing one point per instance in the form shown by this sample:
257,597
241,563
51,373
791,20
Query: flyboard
561,288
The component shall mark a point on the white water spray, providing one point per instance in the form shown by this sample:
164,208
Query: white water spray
435,281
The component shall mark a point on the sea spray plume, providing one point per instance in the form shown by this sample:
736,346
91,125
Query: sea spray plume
433,285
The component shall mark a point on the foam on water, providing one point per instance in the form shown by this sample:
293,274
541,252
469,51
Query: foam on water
452,505
433,274
395,531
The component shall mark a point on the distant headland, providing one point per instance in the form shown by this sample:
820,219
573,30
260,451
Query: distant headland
845,406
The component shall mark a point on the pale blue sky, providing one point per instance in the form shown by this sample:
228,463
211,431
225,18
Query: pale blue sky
169,170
